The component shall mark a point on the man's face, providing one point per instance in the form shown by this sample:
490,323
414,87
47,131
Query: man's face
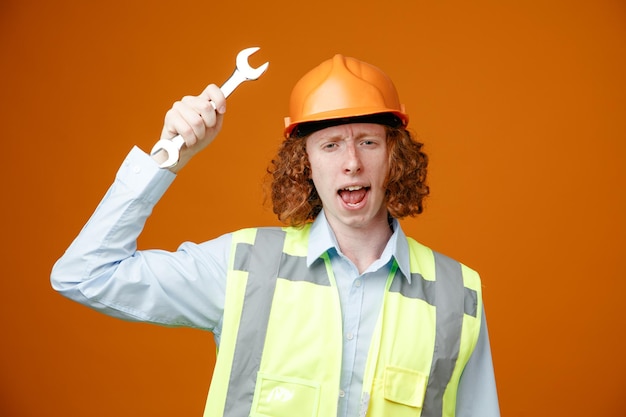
349,166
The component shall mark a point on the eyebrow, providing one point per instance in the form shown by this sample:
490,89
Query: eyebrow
339,136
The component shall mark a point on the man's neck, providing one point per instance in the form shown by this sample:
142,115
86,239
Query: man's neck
363,246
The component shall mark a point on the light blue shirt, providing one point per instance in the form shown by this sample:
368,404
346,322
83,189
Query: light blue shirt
103,269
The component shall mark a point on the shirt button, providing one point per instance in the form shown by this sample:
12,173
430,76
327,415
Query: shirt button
350,336
136,169
342,393
357,283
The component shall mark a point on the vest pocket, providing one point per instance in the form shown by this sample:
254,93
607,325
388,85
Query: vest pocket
277,396
404,386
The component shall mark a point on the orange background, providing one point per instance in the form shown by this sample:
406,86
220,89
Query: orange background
521,104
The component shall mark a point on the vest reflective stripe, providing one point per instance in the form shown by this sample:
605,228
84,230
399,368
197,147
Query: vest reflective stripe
425,291
254,318
450,296
269,261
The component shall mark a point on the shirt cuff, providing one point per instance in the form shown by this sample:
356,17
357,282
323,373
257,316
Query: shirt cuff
141,174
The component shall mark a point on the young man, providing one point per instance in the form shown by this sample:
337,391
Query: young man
337,314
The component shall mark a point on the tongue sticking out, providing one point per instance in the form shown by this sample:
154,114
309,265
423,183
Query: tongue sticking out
353,197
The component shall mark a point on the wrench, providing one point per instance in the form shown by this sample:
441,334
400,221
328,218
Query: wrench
243,72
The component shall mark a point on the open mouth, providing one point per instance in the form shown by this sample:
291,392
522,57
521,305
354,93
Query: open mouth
353,195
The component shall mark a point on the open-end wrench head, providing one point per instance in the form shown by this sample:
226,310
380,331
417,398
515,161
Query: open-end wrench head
244,67
171,148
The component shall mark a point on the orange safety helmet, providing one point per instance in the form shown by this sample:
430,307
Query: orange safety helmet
340,88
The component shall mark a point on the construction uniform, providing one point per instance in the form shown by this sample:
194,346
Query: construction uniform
200,285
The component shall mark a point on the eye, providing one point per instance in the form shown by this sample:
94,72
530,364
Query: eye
369,142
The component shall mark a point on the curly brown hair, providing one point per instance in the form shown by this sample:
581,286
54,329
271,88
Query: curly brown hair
295,200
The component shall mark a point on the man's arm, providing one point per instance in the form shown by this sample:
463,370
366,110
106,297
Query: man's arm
102,267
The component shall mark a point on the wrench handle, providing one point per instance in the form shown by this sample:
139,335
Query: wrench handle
230,84
173,146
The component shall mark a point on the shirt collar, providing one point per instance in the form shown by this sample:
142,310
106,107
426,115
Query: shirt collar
322,238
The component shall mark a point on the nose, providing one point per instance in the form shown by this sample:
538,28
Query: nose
352,163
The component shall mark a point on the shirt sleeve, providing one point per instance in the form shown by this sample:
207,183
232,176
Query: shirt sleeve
477,395
103,269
